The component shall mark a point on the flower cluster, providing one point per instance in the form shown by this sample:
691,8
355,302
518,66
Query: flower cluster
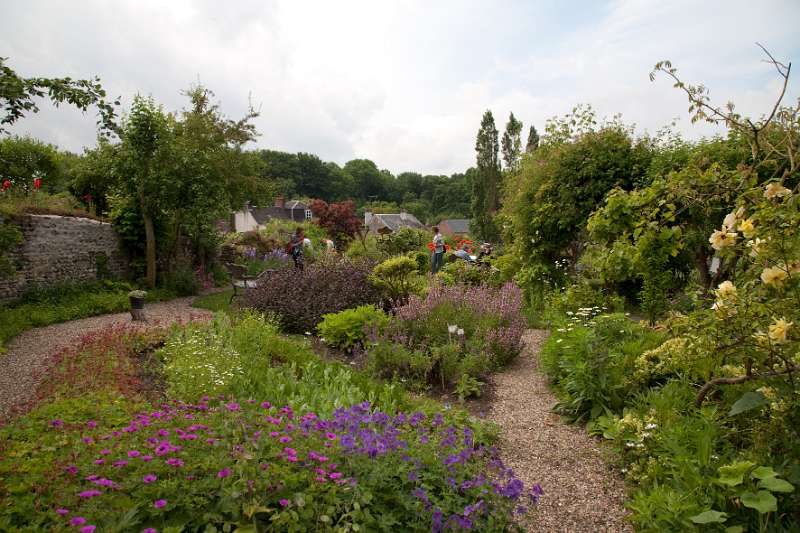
176,459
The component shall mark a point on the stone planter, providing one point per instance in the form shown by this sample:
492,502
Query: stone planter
137,308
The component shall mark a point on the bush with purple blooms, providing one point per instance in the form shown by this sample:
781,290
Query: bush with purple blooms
299,298
453,337
260,467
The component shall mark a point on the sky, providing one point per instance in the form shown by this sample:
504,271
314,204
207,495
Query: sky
403,83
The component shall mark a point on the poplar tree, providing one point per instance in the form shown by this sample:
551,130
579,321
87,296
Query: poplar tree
533,141
486,185
511,143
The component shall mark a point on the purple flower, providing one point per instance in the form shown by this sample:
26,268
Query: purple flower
285,439
225,472
56,423
91,424
89,493
120,463
77,521
150,530
105,452
330,436
62,511
147,458
233,406
284,502
71,470
134,453
158,504
99,461
172,461
149,478
88,529
103,482
266,405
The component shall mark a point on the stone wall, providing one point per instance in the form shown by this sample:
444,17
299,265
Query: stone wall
58,249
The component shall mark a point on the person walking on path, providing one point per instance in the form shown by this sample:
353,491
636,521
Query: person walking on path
437,259
295,248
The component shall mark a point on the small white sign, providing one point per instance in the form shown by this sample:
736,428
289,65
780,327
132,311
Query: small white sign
714,265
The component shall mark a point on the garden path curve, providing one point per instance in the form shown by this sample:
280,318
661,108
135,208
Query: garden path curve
581,493
32,350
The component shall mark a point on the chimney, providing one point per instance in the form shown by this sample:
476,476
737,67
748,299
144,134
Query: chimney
280,201
403,214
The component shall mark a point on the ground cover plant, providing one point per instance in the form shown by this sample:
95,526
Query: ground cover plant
104,450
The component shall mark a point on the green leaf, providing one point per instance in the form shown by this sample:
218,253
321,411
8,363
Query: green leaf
762,501
734,529
733,474
763,472
775,484
749,400
709,517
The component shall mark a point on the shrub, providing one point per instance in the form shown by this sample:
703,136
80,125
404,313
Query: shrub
397,278
460,272
403,241
348,329
460,330
299,298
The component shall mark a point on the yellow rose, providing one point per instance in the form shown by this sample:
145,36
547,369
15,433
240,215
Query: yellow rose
776,190
722,238
747,227
778,331
726,290
774,276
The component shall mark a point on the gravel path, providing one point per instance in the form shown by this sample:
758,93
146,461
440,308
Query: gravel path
32,350
580,492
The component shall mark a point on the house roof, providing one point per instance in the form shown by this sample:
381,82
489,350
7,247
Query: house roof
456,225
395,221
264,214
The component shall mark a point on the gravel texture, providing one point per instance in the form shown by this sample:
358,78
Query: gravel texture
581,493
32,350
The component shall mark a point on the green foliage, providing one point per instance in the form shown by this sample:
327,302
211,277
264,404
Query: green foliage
403,241
217,302
459,272
397,278
512,144
486,182
348,329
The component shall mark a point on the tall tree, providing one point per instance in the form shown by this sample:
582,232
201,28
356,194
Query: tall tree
486,184
533,140
511,143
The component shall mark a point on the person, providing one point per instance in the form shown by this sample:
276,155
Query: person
330,247
438,251
295,248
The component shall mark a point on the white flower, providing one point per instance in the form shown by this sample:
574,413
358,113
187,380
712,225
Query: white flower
460,332
730,221
726,290
773,276
778,330
452,328
755,246
722,238
308,333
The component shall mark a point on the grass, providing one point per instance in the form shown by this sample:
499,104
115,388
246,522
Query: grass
216,302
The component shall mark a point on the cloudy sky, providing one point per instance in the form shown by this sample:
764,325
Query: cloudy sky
404,82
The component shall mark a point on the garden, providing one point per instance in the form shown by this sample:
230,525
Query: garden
346,391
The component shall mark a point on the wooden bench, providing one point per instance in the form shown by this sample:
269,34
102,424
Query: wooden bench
240,279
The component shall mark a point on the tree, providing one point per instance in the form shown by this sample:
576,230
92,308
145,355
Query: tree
17,97
339,220
368,181
511,143
533,140
23,159
486,184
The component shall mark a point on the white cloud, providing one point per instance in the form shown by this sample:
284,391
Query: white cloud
403,83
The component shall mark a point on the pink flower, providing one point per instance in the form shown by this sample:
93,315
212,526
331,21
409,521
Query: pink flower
89,493
77,521
150,530
120,463
274,433
147,458
158,504
285,439
56,423
330,436
225,472
71,470
266,405
134,453
284,502
91,424
172,461
62,511
88,529
335,475
233,406
105,452
149,478
99,461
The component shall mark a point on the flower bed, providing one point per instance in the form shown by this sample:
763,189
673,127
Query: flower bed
250,464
